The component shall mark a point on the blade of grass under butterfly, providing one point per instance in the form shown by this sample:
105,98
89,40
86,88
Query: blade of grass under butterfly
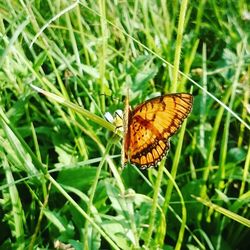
224,211
76,108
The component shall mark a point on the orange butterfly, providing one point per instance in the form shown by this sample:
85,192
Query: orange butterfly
148,128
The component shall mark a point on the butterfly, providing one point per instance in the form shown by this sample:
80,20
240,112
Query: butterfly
148,128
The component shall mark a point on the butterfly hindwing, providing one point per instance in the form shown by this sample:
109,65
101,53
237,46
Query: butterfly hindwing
151,124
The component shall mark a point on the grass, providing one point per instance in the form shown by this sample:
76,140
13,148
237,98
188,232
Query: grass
63,65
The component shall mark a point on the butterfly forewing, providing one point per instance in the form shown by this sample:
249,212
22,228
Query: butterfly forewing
151,124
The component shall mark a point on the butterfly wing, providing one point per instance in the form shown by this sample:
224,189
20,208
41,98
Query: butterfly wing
151,124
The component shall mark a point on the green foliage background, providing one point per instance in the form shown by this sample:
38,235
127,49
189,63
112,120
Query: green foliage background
62,184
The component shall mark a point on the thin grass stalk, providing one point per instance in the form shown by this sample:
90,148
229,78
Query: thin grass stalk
245,171
184,212
83,40
224,144
245,103
34,136
129,48
177,55
204,99
188,63
198,21
73,42
165,14
220,229
82,212
175,166
134,227
37,152
93,190
174,172
190,58
17,210
38,226
155,202
146,22
193,173
103,52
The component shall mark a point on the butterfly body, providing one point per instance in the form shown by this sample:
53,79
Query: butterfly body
149,126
